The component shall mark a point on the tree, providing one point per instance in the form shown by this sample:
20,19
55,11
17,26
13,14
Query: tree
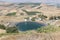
58,17
42,16
33,19
12,30
2,26
53,18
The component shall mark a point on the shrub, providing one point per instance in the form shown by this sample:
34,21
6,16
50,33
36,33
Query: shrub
58,17
11,14
26,18
54,17
21,13
42,16
2,26
33,19
46,29
11,30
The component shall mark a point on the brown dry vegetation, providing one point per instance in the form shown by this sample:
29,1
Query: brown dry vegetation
33,36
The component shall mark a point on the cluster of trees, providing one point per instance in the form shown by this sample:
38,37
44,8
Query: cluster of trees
51,18
42,17
54,18
12,30
11,14
2,27
9,29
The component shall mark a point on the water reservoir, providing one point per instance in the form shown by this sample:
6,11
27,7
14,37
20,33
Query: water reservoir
28,25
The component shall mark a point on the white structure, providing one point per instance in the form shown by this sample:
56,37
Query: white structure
25,20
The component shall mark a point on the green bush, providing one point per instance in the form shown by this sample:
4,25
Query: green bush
33,19
52,18
47,29
2,26
11,30
11,14
42,16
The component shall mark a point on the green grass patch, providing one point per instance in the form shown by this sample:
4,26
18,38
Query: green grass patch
11,14
48,29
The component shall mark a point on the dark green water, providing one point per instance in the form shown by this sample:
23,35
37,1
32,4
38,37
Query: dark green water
24,26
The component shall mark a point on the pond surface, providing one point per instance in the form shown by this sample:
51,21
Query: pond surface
24,26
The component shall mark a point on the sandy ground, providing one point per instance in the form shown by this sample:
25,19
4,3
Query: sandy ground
33,36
